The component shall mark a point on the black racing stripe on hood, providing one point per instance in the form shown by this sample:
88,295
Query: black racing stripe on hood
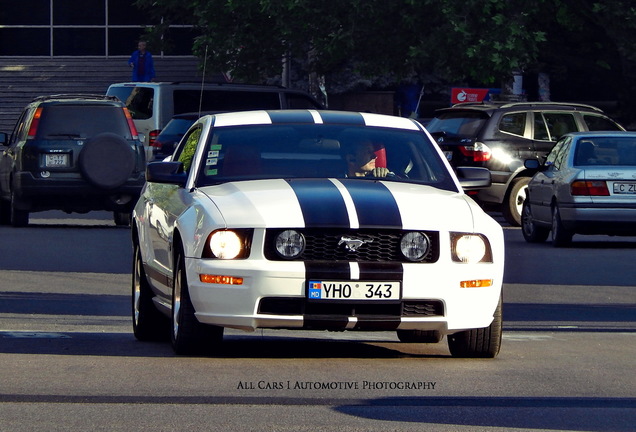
375,204
321,203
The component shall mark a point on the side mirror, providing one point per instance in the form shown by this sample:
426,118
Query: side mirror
473,178
166,172
532,164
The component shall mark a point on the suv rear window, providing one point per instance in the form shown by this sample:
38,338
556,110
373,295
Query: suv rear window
461,123
82,121
221,100
598,123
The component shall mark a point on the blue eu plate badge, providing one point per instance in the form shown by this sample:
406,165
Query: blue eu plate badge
314,289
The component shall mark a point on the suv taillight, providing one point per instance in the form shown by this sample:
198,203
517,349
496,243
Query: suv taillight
152,138
131,124
480,152
589,188
35,122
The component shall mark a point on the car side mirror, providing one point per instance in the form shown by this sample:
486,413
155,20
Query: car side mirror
473,178
166,172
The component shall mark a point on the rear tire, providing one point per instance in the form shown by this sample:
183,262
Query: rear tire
189,336
479,343
19,218
531,232
148,323
121,218
560,235
513,203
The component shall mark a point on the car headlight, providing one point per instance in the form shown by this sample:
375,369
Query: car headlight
414,245
470,248
289,244
225,244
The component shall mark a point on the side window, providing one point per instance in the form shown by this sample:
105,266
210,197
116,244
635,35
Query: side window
540,128
21,128
185,154
553,153
513,123
598,123
561,154
559,124
295,101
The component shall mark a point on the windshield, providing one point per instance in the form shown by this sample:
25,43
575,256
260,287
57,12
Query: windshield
322,151
458,123
138,100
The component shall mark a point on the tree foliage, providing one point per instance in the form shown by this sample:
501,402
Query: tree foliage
470,41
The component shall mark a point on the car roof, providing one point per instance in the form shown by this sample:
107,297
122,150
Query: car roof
589,134
74,97
494,106
262,117
210,85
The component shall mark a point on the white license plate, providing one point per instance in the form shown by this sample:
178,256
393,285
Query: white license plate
56,160
624,188
353,290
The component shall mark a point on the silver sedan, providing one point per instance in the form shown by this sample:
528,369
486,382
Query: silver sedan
587,185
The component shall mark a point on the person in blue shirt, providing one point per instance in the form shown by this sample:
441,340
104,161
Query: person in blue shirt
143,67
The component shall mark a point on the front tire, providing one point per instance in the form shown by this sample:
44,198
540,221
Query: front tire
148,323
531,232
479,343
189,336
513,204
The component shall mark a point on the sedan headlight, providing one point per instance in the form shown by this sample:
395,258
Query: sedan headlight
415,245
226,245
289,244
470,248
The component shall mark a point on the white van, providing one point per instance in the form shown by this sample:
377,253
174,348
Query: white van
152,105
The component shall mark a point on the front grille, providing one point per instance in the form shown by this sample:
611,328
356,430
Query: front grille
379,245
300,306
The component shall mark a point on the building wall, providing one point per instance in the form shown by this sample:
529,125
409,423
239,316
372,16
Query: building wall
77,46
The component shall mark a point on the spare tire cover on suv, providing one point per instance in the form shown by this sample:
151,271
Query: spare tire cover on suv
107,160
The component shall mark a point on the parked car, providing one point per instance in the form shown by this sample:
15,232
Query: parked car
74,153
586,186
501,136
152,105
308,219
166,142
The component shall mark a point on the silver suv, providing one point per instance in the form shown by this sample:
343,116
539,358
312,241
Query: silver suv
501,136
152,105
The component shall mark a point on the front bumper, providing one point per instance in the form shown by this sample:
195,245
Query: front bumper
273,295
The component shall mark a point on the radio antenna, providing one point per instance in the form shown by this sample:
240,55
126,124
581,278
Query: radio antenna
205,61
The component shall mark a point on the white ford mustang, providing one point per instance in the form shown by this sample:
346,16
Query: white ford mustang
319,220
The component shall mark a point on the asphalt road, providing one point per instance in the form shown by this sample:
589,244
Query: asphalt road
69,362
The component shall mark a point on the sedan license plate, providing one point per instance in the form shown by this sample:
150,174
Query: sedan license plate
353,290
56,160
624,188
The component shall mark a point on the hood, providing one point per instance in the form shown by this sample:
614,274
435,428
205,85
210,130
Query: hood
340,203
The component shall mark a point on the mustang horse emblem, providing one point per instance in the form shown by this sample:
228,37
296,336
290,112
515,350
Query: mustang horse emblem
352,244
